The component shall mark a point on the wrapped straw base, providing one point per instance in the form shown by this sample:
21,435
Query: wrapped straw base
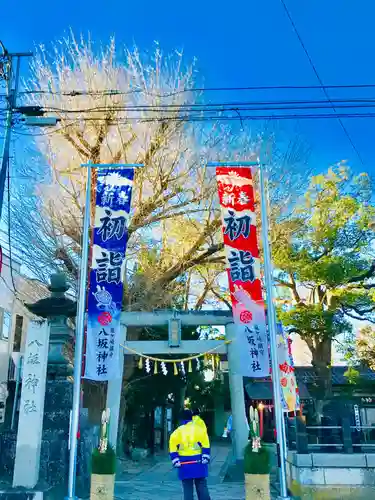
102,486
257,486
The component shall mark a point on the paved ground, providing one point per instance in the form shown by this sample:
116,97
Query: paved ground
155,479
160,470
158,480
141,490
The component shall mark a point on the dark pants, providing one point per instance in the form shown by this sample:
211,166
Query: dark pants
200,486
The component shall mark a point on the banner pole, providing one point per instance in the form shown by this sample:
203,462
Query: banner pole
80,329
271,315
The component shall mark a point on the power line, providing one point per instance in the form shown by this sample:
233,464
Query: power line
256,105
189,119
323,87
108,92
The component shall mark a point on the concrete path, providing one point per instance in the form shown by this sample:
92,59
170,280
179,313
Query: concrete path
158,480
141,490
159,469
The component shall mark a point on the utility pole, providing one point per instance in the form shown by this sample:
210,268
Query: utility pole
7,62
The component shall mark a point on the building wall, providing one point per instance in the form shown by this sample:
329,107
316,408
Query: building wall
12,329
331,476
301,353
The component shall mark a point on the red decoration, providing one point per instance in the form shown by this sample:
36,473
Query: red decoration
284,382
246,317
105,318
236,195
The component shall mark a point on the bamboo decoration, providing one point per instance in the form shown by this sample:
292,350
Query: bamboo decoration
254,430
218,361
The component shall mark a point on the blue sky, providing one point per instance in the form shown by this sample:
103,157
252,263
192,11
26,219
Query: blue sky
241,43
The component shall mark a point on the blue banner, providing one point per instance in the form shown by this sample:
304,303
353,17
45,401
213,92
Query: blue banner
105,294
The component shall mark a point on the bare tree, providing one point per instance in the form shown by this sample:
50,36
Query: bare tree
97,126
103,107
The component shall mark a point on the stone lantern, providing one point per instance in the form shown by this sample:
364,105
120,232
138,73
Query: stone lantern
57,309
54,457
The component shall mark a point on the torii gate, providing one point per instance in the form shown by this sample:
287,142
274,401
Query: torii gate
177,346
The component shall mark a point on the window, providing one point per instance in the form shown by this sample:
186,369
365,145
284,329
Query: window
6,323
18,334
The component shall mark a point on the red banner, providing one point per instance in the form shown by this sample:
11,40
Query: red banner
236,194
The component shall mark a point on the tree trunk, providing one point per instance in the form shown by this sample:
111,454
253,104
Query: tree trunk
321,352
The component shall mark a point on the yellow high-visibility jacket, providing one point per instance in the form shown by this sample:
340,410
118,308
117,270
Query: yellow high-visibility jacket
197,420
188,445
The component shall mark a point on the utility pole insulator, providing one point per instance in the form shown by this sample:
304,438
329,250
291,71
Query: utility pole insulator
30,110
40,121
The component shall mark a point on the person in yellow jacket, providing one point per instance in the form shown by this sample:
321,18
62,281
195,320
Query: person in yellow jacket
198,420
189,448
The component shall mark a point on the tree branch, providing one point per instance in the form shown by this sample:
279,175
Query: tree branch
293,287
183,266
368,274
148,207
221,298
200,301
358,317
76,146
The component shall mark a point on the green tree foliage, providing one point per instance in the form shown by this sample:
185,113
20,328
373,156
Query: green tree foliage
359,350
324,256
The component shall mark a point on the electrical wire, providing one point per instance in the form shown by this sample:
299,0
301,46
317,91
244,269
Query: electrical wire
324,88
279,102
191,119
77,93
224,108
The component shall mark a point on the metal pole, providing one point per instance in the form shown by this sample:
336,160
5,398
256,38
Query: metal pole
271,315
8,133
80,329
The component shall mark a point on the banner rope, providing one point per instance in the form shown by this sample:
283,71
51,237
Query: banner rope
182,360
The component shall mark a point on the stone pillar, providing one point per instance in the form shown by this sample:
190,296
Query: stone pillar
240,431
57,397
30,425
57,309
